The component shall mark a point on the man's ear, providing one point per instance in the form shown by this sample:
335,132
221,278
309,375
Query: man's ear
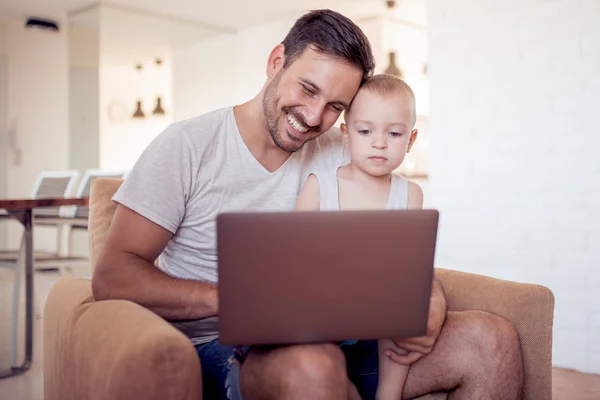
413,137
275,61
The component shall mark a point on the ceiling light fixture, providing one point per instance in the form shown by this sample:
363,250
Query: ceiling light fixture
392,68
158,110
139,113
41,24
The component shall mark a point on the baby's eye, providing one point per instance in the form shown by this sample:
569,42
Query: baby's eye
364,131
395,134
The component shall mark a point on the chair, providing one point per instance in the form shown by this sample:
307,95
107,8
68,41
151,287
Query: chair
71,219
53,184
48,184
77,218
120,350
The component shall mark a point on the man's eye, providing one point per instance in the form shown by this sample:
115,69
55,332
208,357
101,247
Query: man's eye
308,90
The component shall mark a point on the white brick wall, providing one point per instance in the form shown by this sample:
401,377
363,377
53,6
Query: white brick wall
515,140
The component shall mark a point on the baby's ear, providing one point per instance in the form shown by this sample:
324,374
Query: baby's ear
413,137
344,130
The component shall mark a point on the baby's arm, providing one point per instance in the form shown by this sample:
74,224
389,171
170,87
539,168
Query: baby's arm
392,376
308,198
415,196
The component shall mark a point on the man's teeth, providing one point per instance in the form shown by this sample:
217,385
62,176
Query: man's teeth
295,124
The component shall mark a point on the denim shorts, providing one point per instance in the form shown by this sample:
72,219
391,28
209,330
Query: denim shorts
221,368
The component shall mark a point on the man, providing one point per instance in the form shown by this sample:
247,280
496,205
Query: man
255,156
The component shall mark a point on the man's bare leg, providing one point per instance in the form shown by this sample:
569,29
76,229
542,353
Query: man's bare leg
392,376
477,354
310,372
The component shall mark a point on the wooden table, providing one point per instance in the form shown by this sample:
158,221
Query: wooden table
22,210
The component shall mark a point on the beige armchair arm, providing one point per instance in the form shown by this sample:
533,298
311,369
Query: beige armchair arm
529,307
113,350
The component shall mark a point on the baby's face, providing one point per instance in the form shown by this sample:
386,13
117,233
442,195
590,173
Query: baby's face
379,131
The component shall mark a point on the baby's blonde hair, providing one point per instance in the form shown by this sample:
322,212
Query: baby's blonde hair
384,85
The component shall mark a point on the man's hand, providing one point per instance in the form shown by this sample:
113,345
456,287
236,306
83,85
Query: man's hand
419,347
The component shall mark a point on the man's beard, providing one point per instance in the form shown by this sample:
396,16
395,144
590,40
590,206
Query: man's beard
272,116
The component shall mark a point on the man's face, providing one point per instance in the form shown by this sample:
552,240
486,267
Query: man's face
304,100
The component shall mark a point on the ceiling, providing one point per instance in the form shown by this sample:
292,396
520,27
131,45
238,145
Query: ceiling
221,14
121,36
132,29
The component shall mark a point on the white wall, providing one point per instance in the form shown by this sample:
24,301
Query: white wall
37,109
84,91
255,45
223,70
514,167
84,121
231,68
205,76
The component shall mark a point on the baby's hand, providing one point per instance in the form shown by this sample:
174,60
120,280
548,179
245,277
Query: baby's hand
393,348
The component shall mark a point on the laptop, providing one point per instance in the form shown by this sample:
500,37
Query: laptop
324,276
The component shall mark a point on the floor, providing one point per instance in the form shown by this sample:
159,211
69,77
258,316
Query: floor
567,384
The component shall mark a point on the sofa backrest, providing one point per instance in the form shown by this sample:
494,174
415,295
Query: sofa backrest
101,212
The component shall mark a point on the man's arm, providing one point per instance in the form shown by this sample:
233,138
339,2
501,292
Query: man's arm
126,271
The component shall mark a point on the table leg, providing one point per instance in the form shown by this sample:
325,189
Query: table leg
28,225
26,218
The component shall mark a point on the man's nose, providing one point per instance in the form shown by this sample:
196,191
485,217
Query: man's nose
314,114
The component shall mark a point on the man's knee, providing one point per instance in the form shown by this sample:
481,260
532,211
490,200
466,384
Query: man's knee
310,371
496,337
478,355
320,366
497,348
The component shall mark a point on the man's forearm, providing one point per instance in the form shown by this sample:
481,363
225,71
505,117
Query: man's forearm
141,282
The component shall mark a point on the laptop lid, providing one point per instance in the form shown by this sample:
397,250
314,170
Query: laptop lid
307,277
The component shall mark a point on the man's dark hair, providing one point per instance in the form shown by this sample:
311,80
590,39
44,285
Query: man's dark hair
330,33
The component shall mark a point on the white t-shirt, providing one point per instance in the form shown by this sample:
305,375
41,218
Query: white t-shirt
201,167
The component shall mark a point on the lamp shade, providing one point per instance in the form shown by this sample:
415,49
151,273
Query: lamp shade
392,68
158,110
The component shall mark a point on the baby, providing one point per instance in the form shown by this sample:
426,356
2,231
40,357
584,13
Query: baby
379,132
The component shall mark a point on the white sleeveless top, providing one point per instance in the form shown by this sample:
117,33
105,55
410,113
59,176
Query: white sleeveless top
329,194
